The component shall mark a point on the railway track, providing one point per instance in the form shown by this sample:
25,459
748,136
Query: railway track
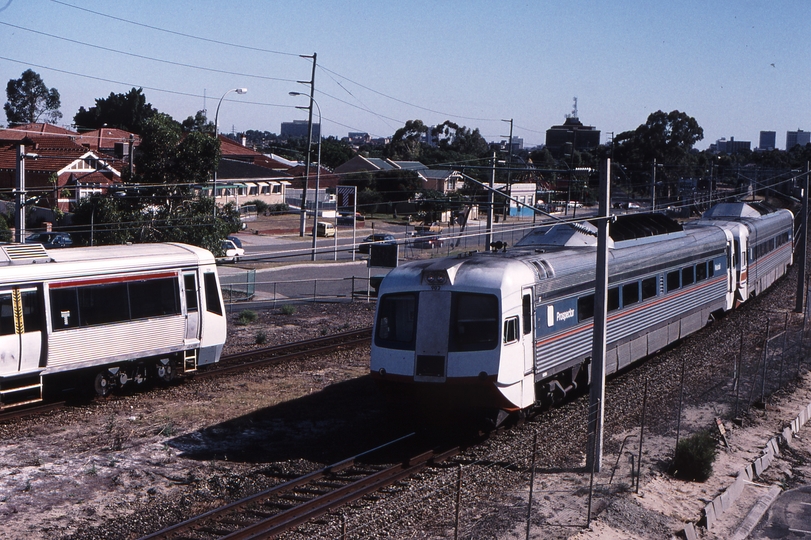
286,506
235,363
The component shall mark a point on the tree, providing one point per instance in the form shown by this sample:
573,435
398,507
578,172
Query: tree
29,100
335,152
128,111
198,122
171,162
406,142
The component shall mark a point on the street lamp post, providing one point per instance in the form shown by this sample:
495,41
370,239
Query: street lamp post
216,137
318,166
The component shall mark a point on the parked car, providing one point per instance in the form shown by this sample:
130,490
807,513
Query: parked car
231,250
379,238
235,239
426,241
325,229
50,240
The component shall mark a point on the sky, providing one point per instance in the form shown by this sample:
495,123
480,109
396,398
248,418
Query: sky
736,66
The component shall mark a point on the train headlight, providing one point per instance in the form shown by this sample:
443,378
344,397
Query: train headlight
382,372
436,277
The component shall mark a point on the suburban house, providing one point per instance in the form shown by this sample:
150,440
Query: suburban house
62,173
442,180
239,181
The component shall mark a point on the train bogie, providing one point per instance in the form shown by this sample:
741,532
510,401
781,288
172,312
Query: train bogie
509,331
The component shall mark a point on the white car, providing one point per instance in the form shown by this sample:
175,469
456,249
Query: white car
232,251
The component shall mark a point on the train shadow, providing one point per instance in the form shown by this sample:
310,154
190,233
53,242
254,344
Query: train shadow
341,420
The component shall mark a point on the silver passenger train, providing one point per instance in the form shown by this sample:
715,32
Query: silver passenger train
495,332
109,314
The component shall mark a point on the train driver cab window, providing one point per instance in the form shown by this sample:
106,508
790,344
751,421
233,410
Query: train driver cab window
511,330
396,320
213,303
474,322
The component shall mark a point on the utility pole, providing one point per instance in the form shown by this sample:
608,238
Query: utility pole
653,187
488,237
802,247
311,82
509,167
19,196
597,389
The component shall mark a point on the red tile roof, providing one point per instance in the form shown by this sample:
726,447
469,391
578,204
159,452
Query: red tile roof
105,138
17,133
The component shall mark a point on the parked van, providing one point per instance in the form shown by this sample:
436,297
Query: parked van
325,229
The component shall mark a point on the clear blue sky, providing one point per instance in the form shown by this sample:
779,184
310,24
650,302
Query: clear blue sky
738,67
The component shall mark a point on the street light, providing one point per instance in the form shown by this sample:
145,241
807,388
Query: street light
318,165
216,137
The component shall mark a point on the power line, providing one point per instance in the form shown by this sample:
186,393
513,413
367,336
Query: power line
175,92
181,34
143,57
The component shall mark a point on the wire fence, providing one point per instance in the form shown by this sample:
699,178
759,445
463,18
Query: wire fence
556,496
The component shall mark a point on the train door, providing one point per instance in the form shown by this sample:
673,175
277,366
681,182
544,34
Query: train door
20,331
742,260
528,330
432,335
192,294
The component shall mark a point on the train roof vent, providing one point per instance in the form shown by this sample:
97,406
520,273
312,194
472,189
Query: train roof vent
25,253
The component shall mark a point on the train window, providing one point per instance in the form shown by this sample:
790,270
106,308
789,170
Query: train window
585,307
190,288
526,305
701,271
711,268
474,322
630,293
213,302
511,330
613,298
154,298
688,276
100,304
673,280
396,320
648,288
32,317
6,315
64,308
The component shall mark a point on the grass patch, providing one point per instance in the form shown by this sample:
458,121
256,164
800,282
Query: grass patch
247,317
694,457
261,338
287,309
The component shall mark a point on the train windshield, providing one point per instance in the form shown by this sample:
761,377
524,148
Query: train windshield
475,322
396,320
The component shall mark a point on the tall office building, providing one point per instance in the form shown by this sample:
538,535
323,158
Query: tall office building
793,138
768,140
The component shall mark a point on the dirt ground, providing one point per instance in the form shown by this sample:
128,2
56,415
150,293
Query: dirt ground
87,471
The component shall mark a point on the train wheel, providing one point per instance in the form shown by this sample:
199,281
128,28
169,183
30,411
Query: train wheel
166,371
102,384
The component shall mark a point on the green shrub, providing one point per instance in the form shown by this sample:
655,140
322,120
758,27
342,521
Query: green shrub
261,338
247,317
288,309
694,457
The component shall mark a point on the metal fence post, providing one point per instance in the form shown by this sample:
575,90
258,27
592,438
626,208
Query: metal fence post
458,502
532,480
641,433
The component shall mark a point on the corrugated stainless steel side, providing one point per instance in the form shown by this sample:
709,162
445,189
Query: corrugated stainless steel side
557,349
134,339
